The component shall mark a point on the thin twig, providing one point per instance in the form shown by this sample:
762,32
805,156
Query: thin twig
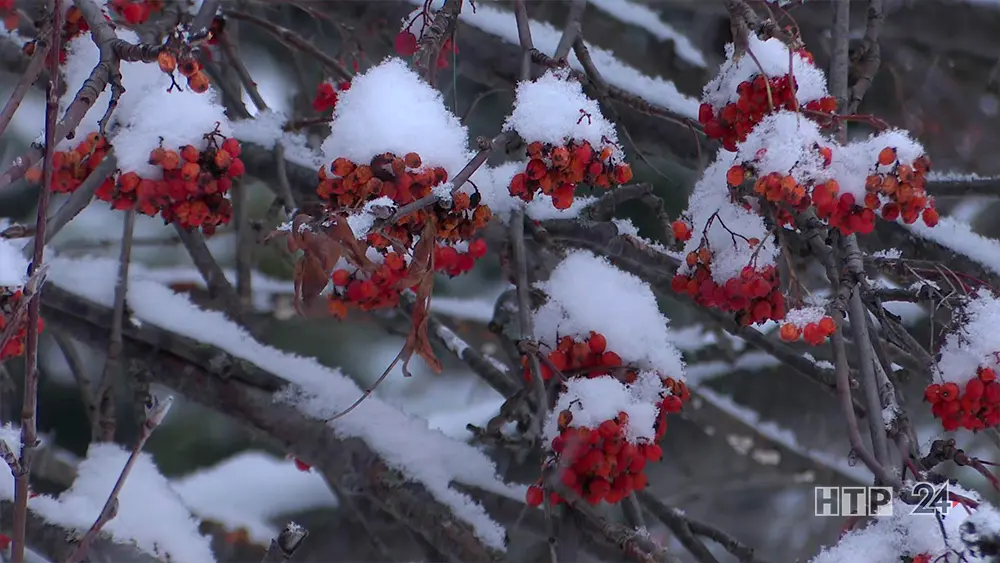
233,58
215,279
571,30
524,315
244,245
524,37
155,412
24,84
29,431
103,422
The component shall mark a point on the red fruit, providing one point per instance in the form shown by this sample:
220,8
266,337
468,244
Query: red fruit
301,465
789,332
597,343
974,389
682,231
535,496
933,393
405,43
653,452
827,325
949,392
610,359
987,374
735,175
477,248
930,216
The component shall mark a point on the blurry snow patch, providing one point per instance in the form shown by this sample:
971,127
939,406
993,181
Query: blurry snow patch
267,131
251,490
501,23
425,456
452,422
640,15
150,516
13,265
975,343
959,237
586,293
751,361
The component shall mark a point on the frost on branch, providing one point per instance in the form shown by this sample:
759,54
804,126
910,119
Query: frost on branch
730,256
743,91
968,394
420,454
150,514
921,538
620,376
569,141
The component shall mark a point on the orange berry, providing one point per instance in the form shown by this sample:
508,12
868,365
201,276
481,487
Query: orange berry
190,154
190,171
198,82
827,325
170,161
223,159
887,156
789,332
735,175
597,343
168,63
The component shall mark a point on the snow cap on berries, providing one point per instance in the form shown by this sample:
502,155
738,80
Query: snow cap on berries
976,343
594,400
852,164
785,142
586,293
390,108
553,109
773,56
730,226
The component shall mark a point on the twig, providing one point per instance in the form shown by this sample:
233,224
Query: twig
571,30
284,186
24,84
78,368
839,60
155,412
244,246
524,316
29,431
215,279
202,22
632,511
284,546
241,71
524,37
80,198
433,38
869,56
103,422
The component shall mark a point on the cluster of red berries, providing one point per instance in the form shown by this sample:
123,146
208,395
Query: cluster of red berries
585,358
327,95
136,12
8,13
755,296
758,97
453,262
72,167
556,171
192,192
977,408
10,299
187,65
379,290
600,463
813,333
403,180
903,185
921,558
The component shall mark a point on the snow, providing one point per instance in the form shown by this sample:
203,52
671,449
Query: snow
553,109
641,16
425,456
887,539
959,237
389,108
774,61
784,142
586,293
150,514
145,113
501,23
975,343
13,265
710,201
266,130
802,316
592,401
251,490
851,165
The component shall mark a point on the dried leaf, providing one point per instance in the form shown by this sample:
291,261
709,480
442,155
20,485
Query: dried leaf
314,279
354,249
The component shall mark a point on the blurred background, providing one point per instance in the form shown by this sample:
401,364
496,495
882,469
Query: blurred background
938,79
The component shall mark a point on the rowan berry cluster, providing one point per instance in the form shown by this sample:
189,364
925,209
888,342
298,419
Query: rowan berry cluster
453,261
903,186
758,97
755,296
601,463
327,94
379,290
184,62
556,171
349,185
192,190
136,12
813,333
10,299
975,408
8,14
72,167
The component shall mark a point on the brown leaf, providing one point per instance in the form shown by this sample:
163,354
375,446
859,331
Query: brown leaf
354,249
314,278
417,341
423,256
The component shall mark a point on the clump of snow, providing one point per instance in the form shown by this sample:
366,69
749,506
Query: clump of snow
592,401
586,293
888,539
773,57
425,456
390,108
717,218
150,514
553,109
502,24
785,142
362,222
13,265
250,491
146,112
802,316
975,343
